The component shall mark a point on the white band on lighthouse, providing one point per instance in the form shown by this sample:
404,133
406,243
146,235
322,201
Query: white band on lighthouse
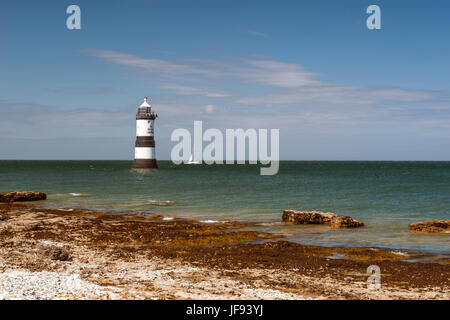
144,128
144,153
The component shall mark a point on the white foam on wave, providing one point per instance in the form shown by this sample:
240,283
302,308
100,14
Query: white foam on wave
269,224
209,221
159,203
79,194
167,218
399,253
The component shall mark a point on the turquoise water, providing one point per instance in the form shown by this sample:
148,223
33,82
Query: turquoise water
387,196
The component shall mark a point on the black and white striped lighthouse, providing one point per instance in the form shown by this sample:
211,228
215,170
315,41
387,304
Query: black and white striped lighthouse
144,151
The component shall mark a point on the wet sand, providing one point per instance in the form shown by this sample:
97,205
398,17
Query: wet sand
79,254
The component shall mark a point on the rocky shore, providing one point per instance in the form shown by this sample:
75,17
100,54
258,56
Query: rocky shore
79,254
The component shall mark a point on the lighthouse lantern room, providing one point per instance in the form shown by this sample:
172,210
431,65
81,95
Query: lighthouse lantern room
144,151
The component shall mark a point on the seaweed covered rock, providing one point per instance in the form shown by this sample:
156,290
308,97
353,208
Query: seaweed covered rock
22,196
306,217
431,226
319,217
338,222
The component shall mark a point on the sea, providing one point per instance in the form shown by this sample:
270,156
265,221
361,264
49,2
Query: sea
387,196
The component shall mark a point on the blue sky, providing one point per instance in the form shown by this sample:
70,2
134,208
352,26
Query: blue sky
336,90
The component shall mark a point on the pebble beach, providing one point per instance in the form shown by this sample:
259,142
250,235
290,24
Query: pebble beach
83,254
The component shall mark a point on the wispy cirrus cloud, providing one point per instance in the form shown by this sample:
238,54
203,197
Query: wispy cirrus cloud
256,33
277,74
155,65
43,121
332,94
280,89
304,85
189,90
91,91
82,118
264,72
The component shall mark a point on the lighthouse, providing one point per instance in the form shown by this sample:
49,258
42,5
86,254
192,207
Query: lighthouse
144,151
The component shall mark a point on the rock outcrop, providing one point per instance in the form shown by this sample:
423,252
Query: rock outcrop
22,196
307,217
319,217
432,226
339,222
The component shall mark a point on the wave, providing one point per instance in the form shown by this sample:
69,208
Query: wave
79,194
209,221
399,253
269,224
159,203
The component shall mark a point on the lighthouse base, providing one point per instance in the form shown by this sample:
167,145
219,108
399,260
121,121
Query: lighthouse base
145,164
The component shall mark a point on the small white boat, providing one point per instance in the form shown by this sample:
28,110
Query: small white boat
192,161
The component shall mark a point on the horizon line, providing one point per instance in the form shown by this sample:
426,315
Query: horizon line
299,160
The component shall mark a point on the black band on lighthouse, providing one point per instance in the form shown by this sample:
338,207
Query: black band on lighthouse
145,142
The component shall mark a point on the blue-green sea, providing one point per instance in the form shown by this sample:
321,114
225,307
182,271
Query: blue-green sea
386,196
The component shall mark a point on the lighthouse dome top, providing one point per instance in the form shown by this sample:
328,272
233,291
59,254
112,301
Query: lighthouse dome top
145,103
144,112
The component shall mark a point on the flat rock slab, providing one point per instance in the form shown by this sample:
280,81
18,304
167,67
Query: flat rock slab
22,196
431,226
319,217
339,222
307,217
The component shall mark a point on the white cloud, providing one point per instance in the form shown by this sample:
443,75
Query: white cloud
189,90
286,92
266,72
338,95
301,85
256,33
156,65
277,74
82,118
210,108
